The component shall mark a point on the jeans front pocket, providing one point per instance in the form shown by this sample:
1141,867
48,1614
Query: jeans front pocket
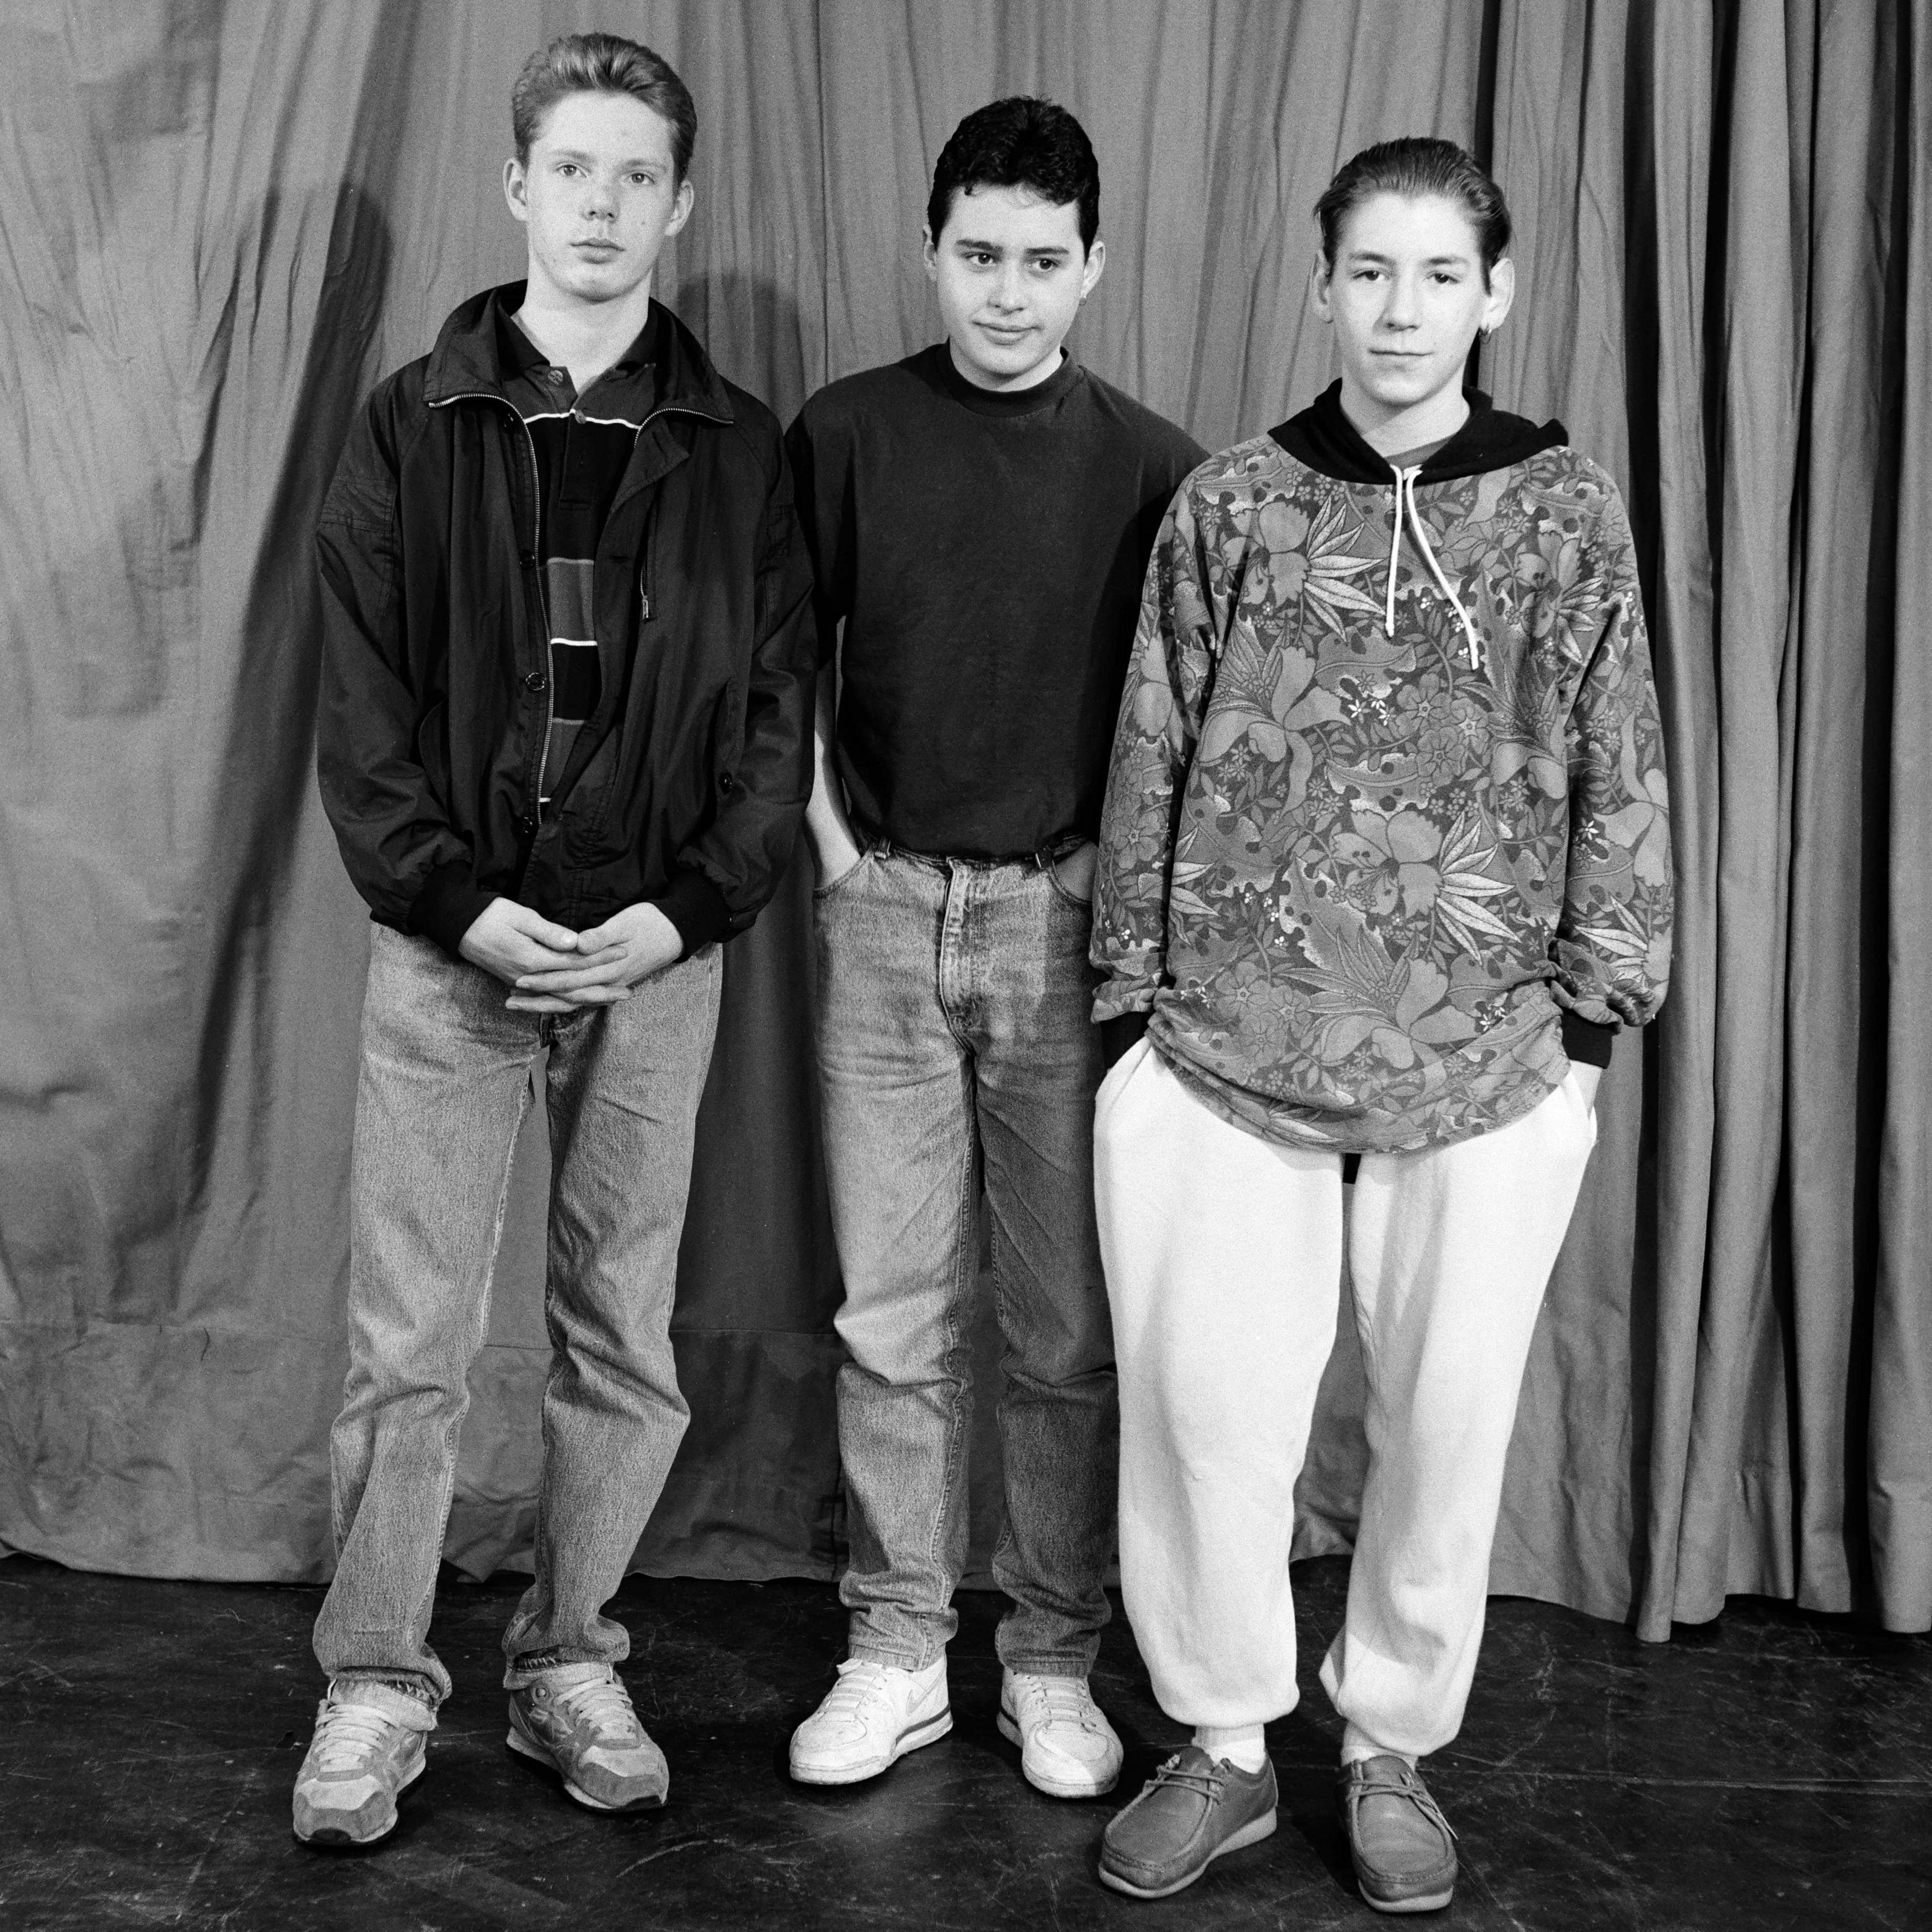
833,886
1084,907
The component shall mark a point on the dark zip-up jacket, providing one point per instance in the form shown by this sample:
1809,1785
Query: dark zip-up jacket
435,663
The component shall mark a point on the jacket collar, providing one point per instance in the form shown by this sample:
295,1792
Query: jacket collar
1324,438
467,361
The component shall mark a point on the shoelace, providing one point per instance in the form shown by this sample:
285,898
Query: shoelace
346,1735
860,1681
1410,1786
1065,1698
1208,1783
602,1702
1405,509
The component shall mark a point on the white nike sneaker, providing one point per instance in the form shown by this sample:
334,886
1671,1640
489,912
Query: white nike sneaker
870,1718
1067,1748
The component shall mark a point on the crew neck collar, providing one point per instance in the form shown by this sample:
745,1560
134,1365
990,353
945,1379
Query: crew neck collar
1005,402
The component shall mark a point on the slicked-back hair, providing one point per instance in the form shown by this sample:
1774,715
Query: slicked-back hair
1019,142
602,64
1417,164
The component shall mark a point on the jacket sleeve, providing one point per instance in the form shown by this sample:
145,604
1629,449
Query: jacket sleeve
1169,675
401,852
742,853
1612,949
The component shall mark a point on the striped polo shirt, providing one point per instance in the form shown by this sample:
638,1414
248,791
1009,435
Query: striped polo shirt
582,444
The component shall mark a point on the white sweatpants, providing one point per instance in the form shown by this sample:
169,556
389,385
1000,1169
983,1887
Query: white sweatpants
1223,1256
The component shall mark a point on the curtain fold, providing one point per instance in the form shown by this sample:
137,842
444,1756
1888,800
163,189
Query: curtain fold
1780,579
224,219
1897,1437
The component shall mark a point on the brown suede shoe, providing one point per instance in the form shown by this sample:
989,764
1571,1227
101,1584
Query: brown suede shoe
1404,1850
1193,1808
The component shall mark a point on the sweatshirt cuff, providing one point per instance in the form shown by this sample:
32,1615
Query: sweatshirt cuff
697,908
448,904
1586,1042
1121,1034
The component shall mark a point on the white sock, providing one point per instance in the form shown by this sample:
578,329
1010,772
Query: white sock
1241,1745
1356,1745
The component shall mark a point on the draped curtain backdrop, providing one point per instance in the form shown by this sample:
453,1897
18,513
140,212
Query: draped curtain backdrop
221,221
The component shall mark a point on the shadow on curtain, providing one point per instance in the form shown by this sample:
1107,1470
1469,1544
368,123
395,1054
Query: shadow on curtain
224,221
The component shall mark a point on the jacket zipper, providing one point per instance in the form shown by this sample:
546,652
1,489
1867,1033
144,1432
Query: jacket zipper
536,570
669,409
536,536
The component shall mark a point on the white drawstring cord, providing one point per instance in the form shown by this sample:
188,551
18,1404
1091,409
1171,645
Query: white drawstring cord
1395,557
1404,486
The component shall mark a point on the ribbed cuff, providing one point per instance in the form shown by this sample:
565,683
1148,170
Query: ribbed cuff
1121,1034
448,905
1586,1042
697,908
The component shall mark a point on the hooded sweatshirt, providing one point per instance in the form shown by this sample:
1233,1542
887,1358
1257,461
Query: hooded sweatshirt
1385,843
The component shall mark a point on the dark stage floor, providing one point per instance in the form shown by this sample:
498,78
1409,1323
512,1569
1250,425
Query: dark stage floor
1772,1770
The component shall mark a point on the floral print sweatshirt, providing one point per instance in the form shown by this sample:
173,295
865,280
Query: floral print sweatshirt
1385,830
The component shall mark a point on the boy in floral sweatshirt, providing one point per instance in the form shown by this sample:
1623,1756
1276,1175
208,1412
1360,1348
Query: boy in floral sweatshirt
1383,867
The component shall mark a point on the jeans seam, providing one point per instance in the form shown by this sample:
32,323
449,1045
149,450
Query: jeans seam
536,1535
451,1432
540,1571
425,1608
956,1429
999,1304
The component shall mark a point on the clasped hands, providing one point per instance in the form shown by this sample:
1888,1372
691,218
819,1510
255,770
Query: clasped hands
550,969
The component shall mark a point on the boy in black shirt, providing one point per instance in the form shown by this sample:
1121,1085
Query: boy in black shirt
979,516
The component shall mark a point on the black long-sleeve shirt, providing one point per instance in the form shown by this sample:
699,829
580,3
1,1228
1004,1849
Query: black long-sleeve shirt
985,550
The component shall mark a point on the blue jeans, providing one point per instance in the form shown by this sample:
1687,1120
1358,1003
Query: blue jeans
444,1082
954,1029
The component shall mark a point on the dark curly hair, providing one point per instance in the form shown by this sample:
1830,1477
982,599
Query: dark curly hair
602,64
1417,164
1019,142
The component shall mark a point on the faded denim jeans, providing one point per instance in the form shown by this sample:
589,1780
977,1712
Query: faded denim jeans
954,1031
445,1083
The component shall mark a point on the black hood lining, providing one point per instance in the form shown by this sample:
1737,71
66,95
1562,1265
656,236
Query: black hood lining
1322,437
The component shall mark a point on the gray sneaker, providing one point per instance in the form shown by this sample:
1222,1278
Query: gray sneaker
370,1746
1404,1850
1194,1808
577,1719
